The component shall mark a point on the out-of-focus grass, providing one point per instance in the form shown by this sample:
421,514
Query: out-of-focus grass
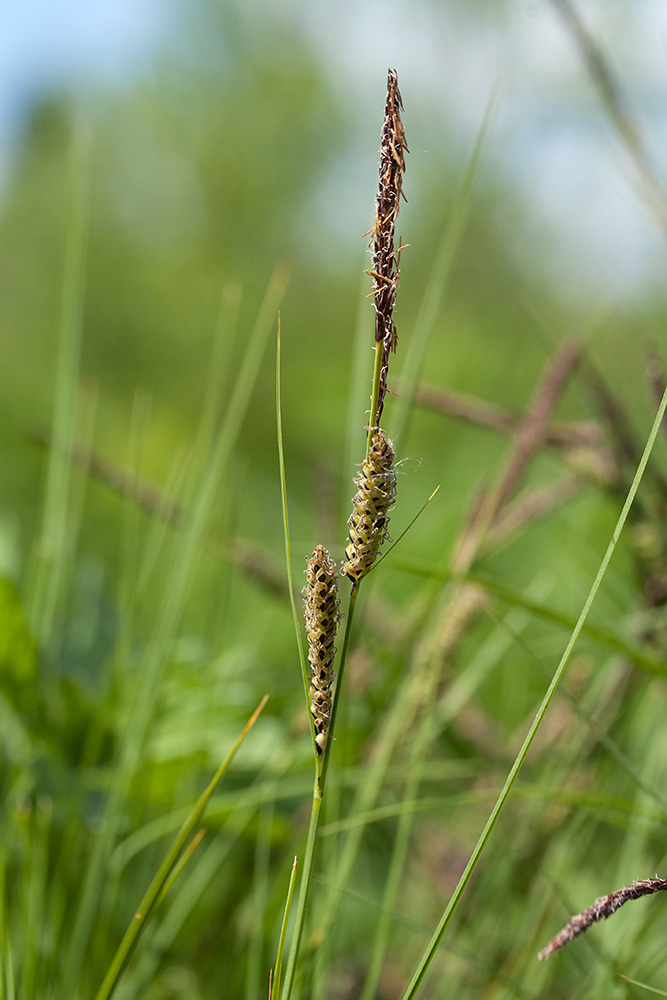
134,647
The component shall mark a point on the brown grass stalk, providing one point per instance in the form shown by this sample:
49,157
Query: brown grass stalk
497,418
601,73
602,908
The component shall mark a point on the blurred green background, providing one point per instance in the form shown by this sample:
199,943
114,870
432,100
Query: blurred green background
229,160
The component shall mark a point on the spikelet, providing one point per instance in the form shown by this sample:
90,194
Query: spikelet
384,271
370,507
322,616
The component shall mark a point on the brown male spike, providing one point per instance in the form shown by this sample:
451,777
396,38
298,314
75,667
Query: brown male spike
384,272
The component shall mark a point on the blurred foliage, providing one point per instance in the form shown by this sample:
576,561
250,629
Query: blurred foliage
205,178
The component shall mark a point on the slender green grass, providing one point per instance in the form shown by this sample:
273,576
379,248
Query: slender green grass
449,911
606,637
261,876
644,986
7,983
277,975
145,663
167,871
53,555
175,595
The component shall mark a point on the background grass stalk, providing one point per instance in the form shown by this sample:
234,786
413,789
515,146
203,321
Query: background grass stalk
296,617
162,877
278,967
51,556
427,957
399,854
304,887
151,674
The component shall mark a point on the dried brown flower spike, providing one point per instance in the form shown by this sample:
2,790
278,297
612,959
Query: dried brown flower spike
601,909
370,507
384,272
322,616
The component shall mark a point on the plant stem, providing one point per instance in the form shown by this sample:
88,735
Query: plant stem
339,681
305,884
451,907
375,392
321,767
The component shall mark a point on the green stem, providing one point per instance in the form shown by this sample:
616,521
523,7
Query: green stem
402,840
451,907
275,987
339,681
305,885
321,767
375,390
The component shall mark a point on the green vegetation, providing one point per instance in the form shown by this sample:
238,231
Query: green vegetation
144,611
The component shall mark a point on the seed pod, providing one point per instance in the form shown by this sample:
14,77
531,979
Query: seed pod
322,617
370,507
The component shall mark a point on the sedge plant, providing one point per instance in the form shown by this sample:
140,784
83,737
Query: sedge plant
368,522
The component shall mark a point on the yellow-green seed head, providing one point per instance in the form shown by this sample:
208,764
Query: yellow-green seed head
370,507
322,617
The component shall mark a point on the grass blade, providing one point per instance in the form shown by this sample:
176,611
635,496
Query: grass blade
50,558
425,961
275,983
161,881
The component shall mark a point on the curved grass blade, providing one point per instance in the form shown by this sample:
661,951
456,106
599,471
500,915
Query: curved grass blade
288,554
276,978
643,986
451,907
652,664
163,876
383,555
49,561
173,601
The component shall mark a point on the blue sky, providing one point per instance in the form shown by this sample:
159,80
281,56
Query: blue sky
549,134
72,44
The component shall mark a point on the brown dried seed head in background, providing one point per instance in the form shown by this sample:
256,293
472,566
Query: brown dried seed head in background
370,507
322,617
601,909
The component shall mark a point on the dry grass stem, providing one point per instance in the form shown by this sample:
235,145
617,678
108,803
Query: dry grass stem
601,909
655,376
529,507
126,483
602,75
322,618
529,437
626,449
532,430
372,502
493,515
118,478
479,411
384,271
